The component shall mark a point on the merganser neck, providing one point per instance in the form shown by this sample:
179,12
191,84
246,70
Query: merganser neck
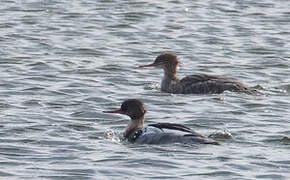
170,82
170,75
134,125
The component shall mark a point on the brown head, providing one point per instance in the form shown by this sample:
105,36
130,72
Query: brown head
133,108
166,61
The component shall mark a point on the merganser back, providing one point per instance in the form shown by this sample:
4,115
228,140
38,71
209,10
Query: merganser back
193,84
155,133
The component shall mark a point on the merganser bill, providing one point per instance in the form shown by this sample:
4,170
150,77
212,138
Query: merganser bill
155,133
193,84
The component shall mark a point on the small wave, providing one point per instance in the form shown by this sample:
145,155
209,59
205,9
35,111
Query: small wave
280,90
113,136
223,135
152,86
271,90
284,140
285,88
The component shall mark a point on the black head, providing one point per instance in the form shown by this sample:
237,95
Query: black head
134,108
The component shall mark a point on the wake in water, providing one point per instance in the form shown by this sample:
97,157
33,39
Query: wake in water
152,86
284,140
113,136
276,90
221,136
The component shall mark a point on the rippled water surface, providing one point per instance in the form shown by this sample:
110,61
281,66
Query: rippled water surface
63,62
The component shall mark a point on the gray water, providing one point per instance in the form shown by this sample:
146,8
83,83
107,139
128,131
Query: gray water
63,62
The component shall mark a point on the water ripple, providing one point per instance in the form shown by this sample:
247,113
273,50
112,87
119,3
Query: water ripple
63,63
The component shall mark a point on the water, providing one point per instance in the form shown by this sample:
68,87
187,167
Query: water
63,62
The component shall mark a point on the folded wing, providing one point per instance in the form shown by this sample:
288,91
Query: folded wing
202,83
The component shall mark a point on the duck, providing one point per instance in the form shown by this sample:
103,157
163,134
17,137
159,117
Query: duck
158,133
192,84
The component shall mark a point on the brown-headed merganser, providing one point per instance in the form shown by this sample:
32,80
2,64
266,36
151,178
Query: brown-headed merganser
193,84
155,133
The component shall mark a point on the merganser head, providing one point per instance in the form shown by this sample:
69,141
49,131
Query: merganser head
166,61
132,108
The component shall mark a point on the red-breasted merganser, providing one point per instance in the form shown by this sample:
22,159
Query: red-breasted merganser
193,84
155,133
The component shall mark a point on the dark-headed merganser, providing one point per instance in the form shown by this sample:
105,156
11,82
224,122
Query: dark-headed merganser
194,84
155,133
